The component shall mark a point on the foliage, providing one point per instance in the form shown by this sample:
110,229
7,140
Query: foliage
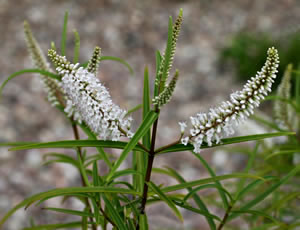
77,93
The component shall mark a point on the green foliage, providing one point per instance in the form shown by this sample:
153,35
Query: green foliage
264,190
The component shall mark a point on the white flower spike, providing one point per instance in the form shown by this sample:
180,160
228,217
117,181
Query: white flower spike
92,100
210,127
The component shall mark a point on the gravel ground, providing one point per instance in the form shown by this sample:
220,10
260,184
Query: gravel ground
132,30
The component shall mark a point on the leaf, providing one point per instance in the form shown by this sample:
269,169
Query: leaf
125,172
18,73
166,199
77,143
197,199
208,180
225,141
64,34
61,158
76,47
263,195
250,186
114,214
194,191
146,106
143,222
256,212
279,153
284,200
69,211
92,136
10,144
55,226
144,127
120,60
213,175
64,191
250,163
134,109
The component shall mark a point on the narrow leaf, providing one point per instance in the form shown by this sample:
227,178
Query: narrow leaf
166,199
144,127
225,141
55,226
64,35
77,143
69,211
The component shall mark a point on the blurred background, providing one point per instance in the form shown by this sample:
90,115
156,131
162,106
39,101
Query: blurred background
222,43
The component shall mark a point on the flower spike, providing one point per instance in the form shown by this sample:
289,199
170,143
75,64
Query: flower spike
51,86
94,61
284,113
166,95
92,100
211,127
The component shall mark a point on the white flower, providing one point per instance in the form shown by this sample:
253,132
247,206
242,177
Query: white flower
182,126
92,101
185,140
218,121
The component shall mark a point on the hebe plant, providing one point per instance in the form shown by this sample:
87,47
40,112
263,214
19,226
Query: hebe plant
76,92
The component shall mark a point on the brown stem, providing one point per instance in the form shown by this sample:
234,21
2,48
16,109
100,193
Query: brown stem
225,217
149,170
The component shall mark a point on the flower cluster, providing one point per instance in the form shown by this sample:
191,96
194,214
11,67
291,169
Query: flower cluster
92,100
51,86
211,127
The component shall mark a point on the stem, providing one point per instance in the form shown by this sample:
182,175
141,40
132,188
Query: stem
149,170
87,204
225,217
166,146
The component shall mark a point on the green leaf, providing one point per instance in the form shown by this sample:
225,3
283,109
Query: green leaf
134,109
120,60
142,130
96,181
213,175
279,153
250,163
77,143
208,180
69,211
92,136
143,222
297,88
60,158
255,212
166,199
197,199
284,200
76,47
83,172
252,185
64,35
18,73
146,106
192,192
114,214
225,141
125,172
20,143
263,195
55,226
64,191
